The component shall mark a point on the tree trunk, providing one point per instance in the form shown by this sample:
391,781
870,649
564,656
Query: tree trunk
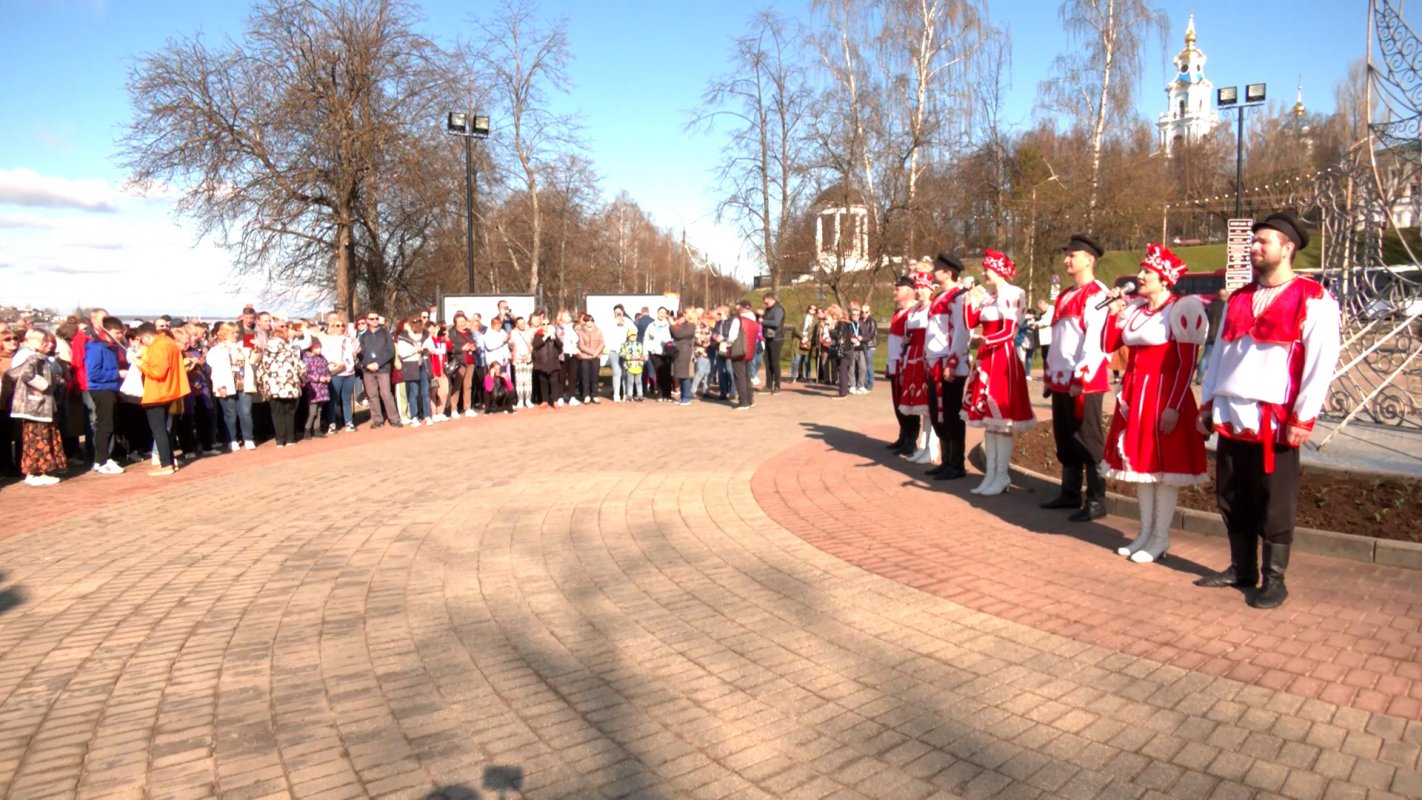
1098,130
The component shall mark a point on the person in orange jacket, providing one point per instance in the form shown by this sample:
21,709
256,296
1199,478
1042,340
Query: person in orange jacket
165,381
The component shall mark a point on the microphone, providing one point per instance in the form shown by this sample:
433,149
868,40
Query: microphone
1129,287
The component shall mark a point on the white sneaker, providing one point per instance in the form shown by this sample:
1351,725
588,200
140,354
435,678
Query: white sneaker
574,402
236,446
41,480
440,418
110,467
559,404
250,445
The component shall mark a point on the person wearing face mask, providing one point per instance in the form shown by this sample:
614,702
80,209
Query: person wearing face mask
1151,442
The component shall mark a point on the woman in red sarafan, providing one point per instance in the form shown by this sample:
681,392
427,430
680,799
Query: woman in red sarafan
996,398
1147,443
913,369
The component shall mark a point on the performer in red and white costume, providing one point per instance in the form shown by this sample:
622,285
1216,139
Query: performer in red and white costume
1151,442
995,398
1076,381
947,351
913,369
898,327
1265,382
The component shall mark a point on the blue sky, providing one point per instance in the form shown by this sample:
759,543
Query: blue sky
70,233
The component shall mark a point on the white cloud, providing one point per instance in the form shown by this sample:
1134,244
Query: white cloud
25,187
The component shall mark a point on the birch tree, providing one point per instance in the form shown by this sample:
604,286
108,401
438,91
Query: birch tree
1096,78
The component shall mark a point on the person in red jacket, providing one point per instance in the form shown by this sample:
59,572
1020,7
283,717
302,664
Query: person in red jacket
739,348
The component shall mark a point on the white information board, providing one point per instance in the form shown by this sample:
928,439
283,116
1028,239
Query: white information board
485,305
1238,270
600,305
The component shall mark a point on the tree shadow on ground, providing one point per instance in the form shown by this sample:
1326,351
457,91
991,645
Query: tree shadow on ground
1018,506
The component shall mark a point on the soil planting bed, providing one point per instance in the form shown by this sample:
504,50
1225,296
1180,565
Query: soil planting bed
1383,507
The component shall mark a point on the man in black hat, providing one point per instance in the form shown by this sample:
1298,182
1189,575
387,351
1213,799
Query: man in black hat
946,348
1076,381
1266,381
898,329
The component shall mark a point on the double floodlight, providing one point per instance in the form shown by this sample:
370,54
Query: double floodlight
1229,95
467,124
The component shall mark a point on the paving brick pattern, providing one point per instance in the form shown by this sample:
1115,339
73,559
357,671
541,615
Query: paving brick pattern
596,603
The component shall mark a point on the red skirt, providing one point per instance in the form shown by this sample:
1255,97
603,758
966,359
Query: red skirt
913,376
1136,450
996,398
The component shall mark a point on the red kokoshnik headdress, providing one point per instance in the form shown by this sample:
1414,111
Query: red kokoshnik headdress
922,280
1164,263
999,263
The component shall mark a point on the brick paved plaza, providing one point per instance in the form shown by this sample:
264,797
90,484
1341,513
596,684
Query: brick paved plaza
659,602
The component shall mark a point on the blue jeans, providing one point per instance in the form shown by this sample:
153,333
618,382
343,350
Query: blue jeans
238,409
701,381
722,370
340,410
755,361
685,390
869,368
632,385
614,362
417,396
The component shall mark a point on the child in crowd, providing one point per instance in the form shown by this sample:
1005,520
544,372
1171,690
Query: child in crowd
316,386
634,358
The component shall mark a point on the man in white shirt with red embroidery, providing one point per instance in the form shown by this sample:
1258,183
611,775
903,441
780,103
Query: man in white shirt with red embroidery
946,349
1076,381
1265,382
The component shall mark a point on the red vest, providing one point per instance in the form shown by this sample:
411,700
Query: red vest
898,326
750,329
1071,304
1281,323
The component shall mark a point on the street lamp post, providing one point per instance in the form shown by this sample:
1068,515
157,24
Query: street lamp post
1226,98
470,127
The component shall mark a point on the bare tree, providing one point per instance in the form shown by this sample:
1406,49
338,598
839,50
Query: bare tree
765,98
274,140
524,61
1096,79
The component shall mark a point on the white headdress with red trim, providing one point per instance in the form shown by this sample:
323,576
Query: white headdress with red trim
1164,263
994,261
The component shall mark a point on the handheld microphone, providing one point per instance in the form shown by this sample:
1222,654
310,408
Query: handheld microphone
1129,287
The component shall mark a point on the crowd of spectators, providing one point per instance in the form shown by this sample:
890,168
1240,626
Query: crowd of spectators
100,395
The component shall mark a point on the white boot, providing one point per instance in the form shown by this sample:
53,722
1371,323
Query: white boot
989,461
1000,477
1165,499
930,443
1145,498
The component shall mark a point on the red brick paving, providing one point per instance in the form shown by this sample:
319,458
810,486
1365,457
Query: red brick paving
1351,633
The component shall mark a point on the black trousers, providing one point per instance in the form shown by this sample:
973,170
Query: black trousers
587,377
158,425
842,373
104,402
284,419
1256,505
314,409
1080,443
745,392
663,367
499,399
772,363
908,425
947,418
569,370
543,387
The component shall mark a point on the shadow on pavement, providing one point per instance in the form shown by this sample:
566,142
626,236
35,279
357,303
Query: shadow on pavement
498,779
11,597
1018,506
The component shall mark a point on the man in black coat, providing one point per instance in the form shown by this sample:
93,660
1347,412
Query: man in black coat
377,355
772,322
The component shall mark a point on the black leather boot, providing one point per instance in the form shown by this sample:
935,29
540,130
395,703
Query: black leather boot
1070,496
1095,505
1273,593
952,468
1243,570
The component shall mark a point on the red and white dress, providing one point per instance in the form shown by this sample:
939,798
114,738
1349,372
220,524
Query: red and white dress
996,398
1162,348
913,370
